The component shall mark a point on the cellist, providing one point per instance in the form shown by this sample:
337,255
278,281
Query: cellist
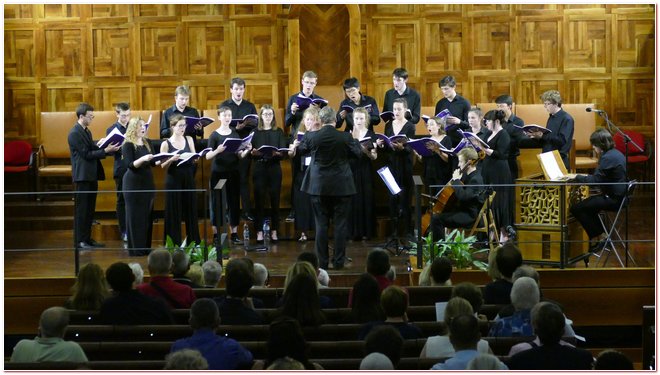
469,192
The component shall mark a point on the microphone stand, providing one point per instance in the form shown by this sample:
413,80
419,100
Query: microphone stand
626,139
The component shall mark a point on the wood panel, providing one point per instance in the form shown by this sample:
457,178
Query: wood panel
58,54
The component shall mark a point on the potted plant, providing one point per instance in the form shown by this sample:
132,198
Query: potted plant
458,248
197,253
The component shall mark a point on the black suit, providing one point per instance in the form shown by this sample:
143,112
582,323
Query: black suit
87,170
329,181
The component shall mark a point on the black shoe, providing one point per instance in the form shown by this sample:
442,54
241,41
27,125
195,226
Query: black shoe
235,240
85,246
95,244
597,247
247,217
290,218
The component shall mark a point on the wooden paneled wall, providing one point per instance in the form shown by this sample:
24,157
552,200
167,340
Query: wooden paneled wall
57,55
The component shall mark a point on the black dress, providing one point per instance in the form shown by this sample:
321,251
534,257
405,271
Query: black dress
437,172
362,217
495,170
180,203
225,166
267,177
401,165
139,205
302,202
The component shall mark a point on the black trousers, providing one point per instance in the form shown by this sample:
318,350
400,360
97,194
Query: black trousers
181,205
267,182
121,204
586,212
85,200
450,219
244,172
326,208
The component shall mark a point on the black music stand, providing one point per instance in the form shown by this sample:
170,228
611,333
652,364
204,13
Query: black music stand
392,244
626,139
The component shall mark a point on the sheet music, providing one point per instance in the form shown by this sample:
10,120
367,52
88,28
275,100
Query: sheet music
387,177
551,166
440,311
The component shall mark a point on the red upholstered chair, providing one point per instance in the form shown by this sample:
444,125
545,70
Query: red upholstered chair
635,156
20,158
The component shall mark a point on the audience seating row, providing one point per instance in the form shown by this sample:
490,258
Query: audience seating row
332,315
129,350
406,363
325,332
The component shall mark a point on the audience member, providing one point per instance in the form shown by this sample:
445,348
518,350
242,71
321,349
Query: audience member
376,361
472,294
286,363
394,301
307,268
49,345
196,275
378,263
440,346
221,353
212,273
138,272
301,300
236,307
286,339
185,359
386,340
464,335
508,258
524,296
438,273
322,275
549,325
127,305
180,267
536,342
89,290
177,295
486,362
611,359
366,307
261,276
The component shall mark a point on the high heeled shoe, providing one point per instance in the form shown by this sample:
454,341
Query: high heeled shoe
302,238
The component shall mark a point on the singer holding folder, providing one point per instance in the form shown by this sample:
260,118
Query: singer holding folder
178,203
400,163
561,126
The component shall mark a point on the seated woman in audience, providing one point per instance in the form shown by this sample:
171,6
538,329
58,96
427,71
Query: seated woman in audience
440,346
437,273
90,289
366,301
394,301
524,295
286,339
301,301
306,268
472,294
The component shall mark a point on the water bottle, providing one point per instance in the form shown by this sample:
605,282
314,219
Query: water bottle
246,235
266,230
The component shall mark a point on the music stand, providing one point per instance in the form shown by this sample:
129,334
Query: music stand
392,245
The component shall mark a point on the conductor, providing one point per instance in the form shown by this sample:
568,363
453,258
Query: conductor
329,182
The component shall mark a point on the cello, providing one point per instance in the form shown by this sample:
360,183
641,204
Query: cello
445,198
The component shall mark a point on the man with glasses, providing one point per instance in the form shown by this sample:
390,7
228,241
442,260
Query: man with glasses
355,99
560,124
86,170
123,111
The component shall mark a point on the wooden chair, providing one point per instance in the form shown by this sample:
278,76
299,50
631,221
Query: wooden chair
485,223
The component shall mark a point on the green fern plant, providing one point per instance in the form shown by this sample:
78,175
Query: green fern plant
197,253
